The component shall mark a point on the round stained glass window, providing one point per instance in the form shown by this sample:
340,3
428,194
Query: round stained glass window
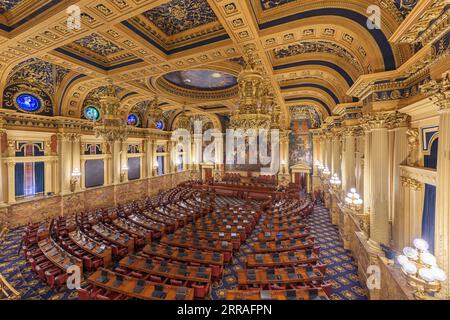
92,113
159,125
133,120
28,102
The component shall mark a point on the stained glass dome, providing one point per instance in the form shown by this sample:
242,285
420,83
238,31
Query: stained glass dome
92,113
133,120
28,102
159,125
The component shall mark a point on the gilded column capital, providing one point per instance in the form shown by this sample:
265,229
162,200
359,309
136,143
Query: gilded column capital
284,135
438,92
397,120
375,120
411,183
384,120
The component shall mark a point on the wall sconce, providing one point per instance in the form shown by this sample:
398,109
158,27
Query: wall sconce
75,177
353,200
420,269
123,172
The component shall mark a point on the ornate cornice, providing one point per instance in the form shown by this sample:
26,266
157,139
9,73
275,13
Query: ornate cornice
387,120
438,91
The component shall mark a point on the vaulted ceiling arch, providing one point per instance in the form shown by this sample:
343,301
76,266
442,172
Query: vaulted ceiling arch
325,109
341,40
338,18
326,72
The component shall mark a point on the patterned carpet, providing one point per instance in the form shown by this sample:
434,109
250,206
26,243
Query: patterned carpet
15,269
341,271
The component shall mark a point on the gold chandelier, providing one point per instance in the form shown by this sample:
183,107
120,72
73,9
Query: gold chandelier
256,108
112,127
155,113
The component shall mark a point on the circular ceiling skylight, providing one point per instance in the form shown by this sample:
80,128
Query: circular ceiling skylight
201,79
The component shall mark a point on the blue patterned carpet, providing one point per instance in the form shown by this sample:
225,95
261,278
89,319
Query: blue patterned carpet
14,268
341,271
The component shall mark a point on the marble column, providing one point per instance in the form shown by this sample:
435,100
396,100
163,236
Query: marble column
65,161
322,149
115,168
336,154
348,160
379,179
328,151
439,93
198,150
76,157
316,153
149,157
11,181
48,181
218,149
366,181
399,155
124,160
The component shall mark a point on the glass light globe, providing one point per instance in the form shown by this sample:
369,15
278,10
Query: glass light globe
402,259
438,274
411,253
426,274
421,244
428,258
410,268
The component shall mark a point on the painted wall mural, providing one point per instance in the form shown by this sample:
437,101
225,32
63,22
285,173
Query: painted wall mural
300,143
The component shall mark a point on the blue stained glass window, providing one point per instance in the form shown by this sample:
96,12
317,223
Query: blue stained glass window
92,113
159,125
133,119
28,102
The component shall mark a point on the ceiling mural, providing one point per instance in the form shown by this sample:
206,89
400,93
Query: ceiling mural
98,45
201,79
7,5
308,112
269,4
180,15
405,6
99,52
38,73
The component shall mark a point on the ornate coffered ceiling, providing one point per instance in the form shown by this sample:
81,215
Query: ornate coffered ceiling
311,52
180,15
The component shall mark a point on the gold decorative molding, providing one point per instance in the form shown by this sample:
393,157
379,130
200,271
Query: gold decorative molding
413,146
438,91
411,183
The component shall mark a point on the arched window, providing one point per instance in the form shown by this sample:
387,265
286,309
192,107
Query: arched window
92,113
28,102
133,120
